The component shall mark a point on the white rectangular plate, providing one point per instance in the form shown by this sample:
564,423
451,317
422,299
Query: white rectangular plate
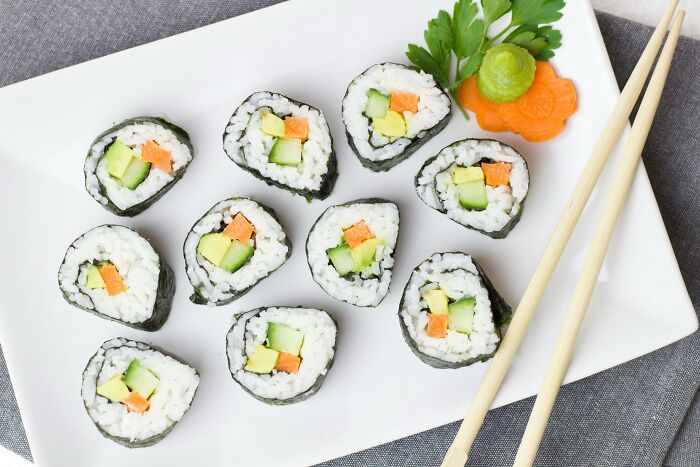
378,390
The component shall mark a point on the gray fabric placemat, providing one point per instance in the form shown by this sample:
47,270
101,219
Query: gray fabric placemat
631,415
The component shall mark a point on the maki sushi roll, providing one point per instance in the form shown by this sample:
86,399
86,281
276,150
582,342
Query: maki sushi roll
389,111
135,393
479,183
350,250
130,166
236,244
115,273
283,142
280,355
450,313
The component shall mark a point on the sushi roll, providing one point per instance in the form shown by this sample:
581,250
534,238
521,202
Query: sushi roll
450,313
130,166
350,250
283,142
236,244
113,272
389,111
479,183
280,355
135,393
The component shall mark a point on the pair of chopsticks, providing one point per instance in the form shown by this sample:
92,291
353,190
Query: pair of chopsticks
458,452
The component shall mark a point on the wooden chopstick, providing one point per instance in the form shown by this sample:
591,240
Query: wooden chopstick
622,182
458,452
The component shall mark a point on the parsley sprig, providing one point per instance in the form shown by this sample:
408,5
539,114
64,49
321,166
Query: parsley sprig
463,38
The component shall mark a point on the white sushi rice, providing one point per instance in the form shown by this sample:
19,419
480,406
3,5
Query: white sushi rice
369,288
97,179
167,405
457,276
214,283
316,352
433,107
436,189
136,261
246,143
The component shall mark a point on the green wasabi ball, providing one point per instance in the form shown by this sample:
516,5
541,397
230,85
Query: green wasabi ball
506,73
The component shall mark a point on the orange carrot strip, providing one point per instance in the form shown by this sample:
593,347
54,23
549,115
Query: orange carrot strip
239,229
135,402
288,362
113,281
404,101
357,234
437,325
486,111
496,174
540,113
153,153
296,127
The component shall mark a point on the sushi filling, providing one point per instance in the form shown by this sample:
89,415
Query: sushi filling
289,134
105,276
134,393
132,388
282,140
113,271
390,114
235,245
231,248
388,106
350,250
281,354
134,163
479,184
356,253
447,312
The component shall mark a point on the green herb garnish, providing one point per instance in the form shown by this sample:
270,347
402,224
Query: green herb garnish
466,37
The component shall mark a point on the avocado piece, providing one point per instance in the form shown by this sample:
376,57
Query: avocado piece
140,379
262,360
272,124
136,173
466,174
213,247
342,259
392,124
118,157
377,104
114,389
284,338
462,315
363,254
94,279
472,195
286,151
437,301
236,256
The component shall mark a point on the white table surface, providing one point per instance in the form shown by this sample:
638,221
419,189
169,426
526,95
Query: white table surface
647,12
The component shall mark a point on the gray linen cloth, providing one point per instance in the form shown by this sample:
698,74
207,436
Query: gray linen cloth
642,413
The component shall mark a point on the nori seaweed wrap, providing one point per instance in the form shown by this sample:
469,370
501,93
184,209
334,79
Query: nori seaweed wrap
131,165
113,272
283,142
390,111
280,355
478,183
350,250
134,393
450,313
233,246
